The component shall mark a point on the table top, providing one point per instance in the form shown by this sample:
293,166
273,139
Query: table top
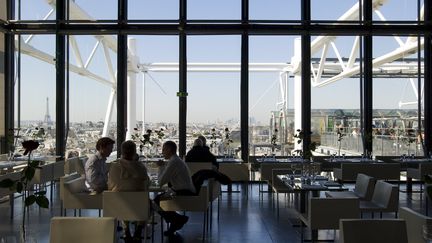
321,183
282,160
412,160
353,160
229,160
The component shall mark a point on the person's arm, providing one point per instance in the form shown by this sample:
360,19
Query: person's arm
166,172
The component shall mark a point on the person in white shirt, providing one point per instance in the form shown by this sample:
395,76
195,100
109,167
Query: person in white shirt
176,174
96,172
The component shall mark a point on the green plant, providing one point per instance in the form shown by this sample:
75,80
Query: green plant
306,153
22,184
213,138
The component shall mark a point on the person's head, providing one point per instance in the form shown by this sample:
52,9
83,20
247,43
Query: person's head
169,148
105,146
128,150
203,139
198,143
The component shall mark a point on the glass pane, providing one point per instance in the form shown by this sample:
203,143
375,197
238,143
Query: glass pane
335,100
271,121
209,9
38,96
156,105
91,84
214,93
274,10
334,10
150,9
35,10
396,129
396,10
91,10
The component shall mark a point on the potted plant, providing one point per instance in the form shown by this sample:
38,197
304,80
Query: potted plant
307,153
22,184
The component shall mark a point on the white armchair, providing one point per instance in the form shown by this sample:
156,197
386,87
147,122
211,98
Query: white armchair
414,223
85,229
373,231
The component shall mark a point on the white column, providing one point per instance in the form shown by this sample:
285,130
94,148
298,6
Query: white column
297,89
131,88
109,111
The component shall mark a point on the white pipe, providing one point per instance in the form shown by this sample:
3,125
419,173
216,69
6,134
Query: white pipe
297,94
131,91
109,111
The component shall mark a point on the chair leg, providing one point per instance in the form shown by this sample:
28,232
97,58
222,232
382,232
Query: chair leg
204,226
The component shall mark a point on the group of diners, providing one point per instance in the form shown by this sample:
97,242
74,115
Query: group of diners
129,174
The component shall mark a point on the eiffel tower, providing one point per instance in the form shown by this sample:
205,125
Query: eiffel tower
47,118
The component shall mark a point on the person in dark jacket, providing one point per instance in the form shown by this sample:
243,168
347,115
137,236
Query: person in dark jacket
199,153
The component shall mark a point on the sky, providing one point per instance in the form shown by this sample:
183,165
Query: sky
213,97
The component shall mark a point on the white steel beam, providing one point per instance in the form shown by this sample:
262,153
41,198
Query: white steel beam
31,51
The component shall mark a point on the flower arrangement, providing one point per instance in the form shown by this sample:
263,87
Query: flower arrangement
227,141
340,136
274,140
22,184
151,139
307,153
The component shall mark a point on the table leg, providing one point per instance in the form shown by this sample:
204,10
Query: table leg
408,185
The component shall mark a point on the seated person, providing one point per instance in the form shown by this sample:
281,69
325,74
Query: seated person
128,174
96,172
201,153
176,174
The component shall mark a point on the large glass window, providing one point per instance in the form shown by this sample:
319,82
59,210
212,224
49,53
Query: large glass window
37,78
156,85
214,92
92,85
396,127
271,121
335,109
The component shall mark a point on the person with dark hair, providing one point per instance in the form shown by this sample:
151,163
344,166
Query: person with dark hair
200,152
176,174
96,172
126,175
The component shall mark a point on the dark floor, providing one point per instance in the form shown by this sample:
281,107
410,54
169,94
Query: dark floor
241,219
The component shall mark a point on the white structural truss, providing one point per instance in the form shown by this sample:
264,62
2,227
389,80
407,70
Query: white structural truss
324,71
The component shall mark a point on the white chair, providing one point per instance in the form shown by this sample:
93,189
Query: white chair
420,172
130,206
7,192
194,167
237,172
198,203
85,229
384,199
64,179
325,213
414,223
373,231
76,196
127,206
363,189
